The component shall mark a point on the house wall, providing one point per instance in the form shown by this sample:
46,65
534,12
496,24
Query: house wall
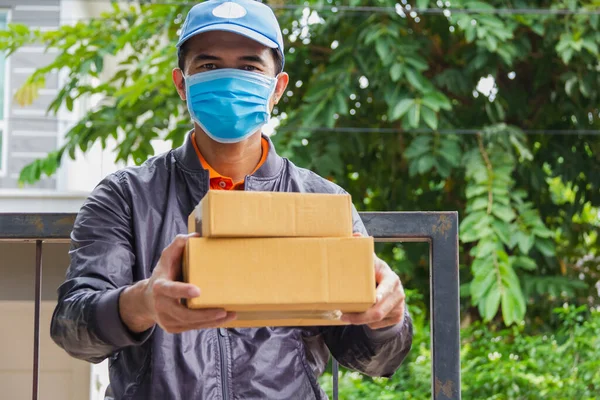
30,134
61,377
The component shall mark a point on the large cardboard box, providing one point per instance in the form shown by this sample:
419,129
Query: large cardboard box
282,281
230,213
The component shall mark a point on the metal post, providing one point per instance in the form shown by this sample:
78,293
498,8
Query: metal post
36,321
440,230
445,314
335,372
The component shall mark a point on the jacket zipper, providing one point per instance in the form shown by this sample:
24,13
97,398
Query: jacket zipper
224,374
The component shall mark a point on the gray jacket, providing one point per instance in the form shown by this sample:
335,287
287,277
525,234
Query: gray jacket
117,239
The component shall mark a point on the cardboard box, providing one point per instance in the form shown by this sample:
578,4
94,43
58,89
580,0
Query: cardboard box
282,281
230,213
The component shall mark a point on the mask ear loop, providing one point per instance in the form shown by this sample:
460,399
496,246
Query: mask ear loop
276,80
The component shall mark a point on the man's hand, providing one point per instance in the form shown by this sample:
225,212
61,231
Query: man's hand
157,300
389,307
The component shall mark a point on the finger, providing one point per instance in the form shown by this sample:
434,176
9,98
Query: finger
381,270
175,290
376,313
357,234
388,283
185,328
178,327
192,317
219,322
171,255
380,311
387,322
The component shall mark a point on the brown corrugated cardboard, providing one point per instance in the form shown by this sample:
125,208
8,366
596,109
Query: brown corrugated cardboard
226,213
282,281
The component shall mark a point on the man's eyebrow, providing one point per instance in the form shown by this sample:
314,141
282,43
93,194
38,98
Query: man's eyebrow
205,57
254,58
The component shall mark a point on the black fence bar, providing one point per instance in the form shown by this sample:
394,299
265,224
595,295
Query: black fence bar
440,229
47,227
36,320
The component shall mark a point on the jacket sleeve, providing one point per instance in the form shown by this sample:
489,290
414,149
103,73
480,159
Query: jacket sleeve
86,322
371,352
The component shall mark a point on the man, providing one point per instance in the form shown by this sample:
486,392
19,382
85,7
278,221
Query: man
122,296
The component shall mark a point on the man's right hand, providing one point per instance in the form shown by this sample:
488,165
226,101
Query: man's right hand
157,300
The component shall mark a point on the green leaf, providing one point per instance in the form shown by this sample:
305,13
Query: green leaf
418,63
567,55
471,220
523,151
502,230
481,285
509,310
542,232
525,263
416,149
430,118
425,163
491,42
484,248
436,101
396,72
506,214
443,167
414,115
414,78
475,190
570,84
341,103
474,235
383,51
69,103
524,241
401,108
480,203
545,246
492,302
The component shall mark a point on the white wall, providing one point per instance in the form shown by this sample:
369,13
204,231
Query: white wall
62,377
86,171
75,178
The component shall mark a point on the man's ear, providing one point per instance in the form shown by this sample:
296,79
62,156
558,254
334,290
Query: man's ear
282,82
179,82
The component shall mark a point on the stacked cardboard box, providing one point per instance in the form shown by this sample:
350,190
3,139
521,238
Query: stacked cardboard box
279,259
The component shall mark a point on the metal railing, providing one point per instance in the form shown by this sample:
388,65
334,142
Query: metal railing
439,229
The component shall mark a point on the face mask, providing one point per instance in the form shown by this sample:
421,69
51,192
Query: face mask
229,104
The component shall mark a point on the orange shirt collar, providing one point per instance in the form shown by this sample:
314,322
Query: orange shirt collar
214,174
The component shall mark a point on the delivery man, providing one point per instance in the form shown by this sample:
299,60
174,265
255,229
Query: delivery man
122,296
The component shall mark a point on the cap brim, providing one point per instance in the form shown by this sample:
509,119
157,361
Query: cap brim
249,33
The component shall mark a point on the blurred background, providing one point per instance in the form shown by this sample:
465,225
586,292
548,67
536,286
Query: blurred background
491,109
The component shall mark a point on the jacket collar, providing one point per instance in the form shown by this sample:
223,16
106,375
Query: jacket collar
187,159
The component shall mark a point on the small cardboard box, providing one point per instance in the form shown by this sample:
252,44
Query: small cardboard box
228,213
282,281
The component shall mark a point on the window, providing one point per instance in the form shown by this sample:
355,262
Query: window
3,99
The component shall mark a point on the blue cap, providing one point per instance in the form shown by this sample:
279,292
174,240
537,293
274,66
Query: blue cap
249,18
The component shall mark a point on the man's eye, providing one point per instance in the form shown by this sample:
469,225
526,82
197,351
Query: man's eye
249,68
209,66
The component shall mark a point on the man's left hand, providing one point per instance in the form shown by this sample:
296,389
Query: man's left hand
389,307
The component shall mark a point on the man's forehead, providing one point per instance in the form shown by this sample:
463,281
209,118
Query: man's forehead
224,40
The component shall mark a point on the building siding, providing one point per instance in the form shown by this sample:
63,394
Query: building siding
30,131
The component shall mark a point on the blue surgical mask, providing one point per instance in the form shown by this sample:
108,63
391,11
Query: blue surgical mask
229,104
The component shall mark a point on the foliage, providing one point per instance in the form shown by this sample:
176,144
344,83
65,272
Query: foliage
503,364
528,201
